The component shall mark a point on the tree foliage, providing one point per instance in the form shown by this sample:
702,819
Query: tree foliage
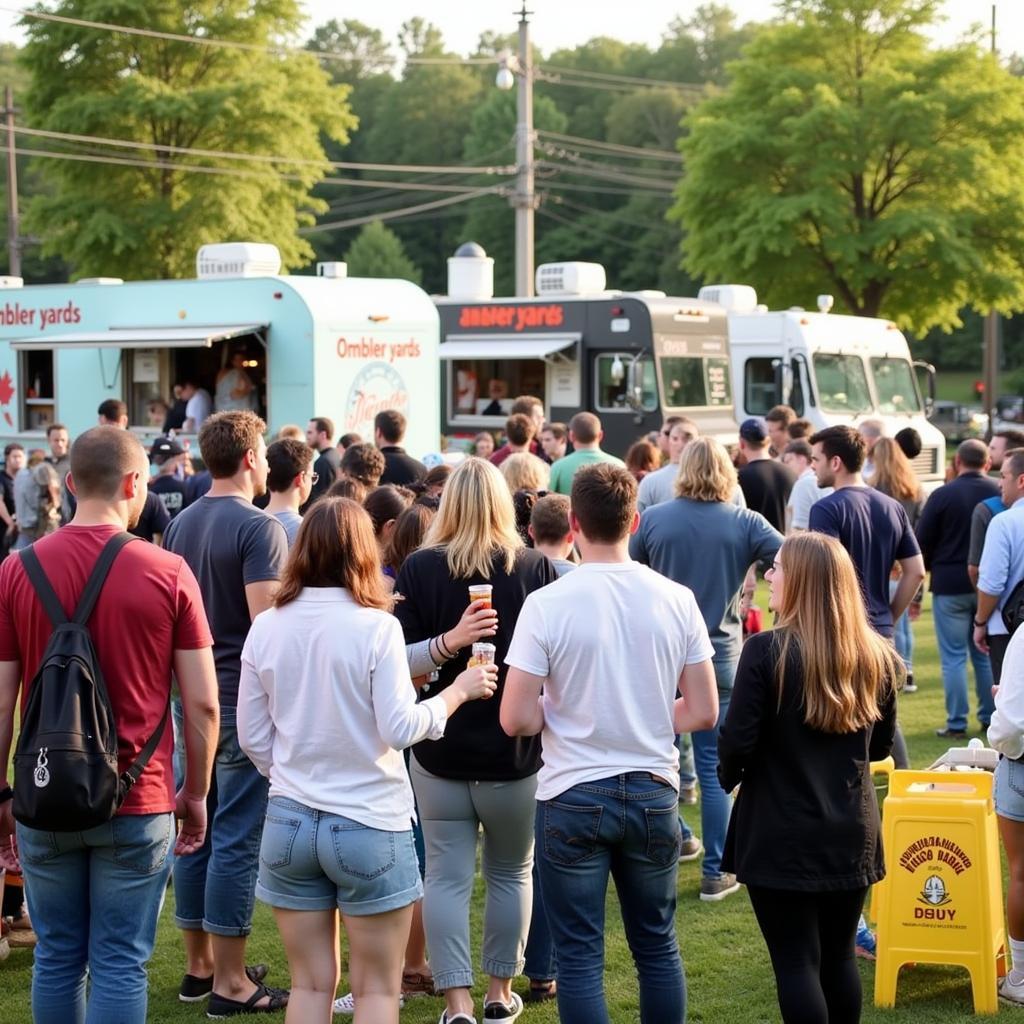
147,219
847,156
377,252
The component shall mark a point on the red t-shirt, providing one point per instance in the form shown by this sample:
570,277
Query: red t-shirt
150,606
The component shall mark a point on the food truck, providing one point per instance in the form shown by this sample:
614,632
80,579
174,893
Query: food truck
630,357
324,345
635,357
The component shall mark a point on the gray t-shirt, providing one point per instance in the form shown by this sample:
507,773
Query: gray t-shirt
291,521
228,543
660,486
982,515
707,546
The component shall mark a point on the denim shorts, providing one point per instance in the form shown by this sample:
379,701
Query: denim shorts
314,860
1009,789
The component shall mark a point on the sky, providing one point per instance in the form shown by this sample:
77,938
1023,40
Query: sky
561,23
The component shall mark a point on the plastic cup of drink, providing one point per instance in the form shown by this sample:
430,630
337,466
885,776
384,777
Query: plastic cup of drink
481,592
482,654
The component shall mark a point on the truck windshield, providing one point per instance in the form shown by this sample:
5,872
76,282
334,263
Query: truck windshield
695,381
842,383
894,385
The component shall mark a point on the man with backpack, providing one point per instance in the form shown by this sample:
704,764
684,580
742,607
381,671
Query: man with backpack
94,788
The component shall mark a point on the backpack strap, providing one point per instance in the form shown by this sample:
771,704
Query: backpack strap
994,504
98,576
44,590
134,771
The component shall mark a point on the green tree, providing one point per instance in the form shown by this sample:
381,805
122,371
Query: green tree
847,156
377,252
148,220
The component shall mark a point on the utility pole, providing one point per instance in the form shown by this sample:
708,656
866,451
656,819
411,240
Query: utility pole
990,362
13,226
524,201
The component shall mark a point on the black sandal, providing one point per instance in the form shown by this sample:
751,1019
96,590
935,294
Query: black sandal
195,989
541,991
221,1006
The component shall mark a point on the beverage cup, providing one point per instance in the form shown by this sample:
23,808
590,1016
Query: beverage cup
482,654
481,592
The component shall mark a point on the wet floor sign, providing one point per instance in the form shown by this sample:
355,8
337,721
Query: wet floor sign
942,899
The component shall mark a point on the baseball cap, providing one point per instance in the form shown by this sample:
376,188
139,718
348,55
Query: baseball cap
166,446
753,430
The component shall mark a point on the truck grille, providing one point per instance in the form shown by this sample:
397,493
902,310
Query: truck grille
927,463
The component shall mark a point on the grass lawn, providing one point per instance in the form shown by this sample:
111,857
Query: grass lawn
727,969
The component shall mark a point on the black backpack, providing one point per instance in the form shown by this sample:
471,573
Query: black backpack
1013,609
65,764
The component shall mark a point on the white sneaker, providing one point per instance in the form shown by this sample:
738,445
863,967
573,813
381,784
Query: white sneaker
506,1012
459,1018
1011,992
346,1005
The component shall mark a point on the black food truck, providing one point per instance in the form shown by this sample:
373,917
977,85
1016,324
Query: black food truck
630,357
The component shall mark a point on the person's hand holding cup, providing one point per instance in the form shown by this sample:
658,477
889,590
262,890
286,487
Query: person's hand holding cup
478,682
478,621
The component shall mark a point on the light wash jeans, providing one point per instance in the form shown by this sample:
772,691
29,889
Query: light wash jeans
95,898
954,628
715,803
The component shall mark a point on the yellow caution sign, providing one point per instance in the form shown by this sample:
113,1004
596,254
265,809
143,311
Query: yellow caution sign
942,899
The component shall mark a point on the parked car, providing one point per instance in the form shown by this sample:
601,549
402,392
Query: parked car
958,422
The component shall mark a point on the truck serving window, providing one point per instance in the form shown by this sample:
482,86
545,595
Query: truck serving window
894,385
487,387
611,382
695,382
842,383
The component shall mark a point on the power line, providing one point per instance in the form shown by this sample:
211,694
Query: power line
581,225
338,225
612,214
656,184
261,158
231,44
614,147
653,83
610,190
575,158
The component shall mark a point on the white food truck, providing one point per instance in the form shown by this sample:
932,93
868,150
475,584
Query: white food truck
327,345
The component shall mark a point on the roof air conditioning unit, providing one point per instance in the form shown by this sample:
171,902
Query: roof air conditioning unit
470,273
12,282
237,259
737,298
570,279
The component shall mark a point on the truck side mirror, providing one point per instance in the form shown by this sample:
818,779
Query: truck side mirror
929,399
634,395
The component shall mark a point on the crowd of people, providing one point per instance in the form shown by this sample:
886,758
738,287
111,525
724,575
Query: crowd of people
378,670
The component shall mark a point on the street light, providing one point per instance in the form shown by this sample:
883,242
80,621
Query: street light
517,68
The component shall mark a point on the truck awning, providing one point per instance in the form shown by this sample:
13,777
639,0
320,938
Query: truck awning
200,336
506,346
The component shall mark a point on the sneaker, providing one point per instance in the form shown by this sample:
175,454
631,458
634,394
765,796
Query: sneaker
951,734
194,989
459,1018
866,943
688,795
716,887
910,686
503,1011
690,849
1010,991
346,1005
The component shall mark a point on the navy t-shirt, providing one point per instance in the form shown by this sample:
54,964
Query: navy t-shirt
876,532
154,518
171,491
228,543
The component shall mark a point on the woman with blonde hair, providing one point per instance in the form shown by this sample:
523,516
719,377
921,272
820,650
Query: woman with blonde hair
707,543
523,471
814,704
894,476
476,775
325,670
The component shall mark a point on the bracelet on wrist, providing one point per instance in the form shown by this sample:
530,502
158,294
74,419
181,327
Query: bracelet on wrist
444,649
979,625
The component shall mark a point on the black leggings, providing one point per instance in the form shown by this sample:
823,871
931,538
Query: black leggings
810,937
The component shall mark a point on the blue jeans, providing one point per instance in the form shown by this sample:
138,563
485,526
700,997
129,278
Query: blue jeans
715,803
215,887
540,949
95,902
954,626
624,826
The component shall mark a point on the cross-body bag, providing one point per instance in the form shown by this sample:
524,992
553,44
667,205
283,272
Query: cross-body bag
65,764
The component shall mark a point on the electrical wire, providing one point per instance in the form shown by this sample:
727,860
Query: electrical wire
654,83
614,147
259,158
338,225
577,225
560,152
656,184
611,214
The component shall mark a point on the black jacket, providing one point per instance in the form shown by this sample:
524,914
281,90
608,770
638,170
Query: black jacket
474,745
400,468
806,817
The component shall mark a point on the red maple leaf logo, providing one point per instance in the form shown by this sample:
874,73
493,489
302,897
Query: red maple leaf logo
6,388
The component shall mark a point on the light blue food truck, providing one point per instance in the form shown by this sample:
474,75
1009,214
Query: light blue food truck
324,345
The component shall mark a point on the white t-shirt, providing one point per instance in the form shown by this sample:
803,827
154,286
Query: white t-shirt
611,639
325,704
199,407
804,494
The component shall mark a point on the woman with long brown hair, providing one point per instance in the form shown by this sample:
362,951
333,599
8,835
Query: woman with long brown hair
324,671
813,705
